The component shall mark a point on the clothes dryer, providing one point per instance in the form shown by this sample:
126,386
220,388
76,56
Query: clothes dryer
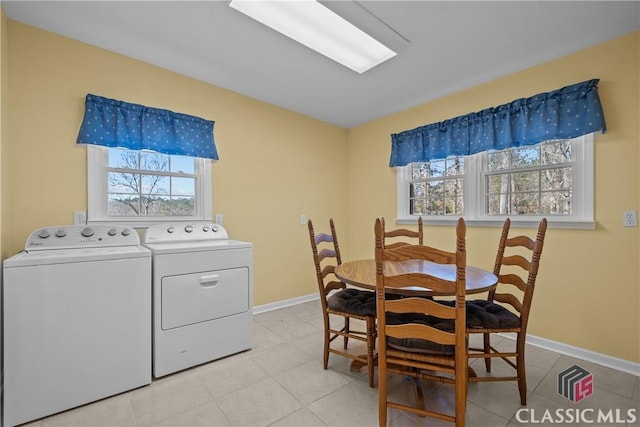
76,320
202,294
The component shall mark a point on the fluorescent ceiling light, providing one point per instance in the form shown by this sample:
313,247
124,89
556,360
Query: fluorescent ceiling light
315,26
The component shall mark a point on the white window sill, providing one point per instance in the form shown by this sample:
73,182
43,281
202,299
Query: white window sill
569,224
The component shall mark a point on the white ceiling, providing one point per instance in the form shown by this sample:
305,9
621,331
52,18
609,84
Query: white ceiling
453,45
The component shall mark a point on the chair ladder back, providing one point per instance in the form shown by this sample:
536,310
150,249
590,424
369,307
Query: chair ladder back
529,265
336,246
402,232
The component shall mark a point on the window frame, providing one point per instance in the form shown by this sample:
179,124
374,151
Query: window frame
97,191
474,181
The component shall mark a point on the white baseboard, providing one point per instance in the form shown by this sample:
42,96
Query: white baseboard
284,303
566,349
587,355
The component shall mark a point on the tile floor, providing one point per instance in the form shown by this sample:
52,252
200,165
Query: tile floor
280,382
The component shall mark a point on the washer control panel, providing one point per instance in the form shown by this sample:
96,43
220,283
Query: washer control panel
81,236
186,232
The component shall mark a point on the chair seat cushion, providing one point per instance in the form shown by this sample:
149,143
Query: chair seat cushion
354,301
489,315
417,345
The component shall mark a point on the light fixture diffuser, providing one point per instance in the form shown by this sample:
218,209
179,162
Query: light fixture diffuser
315,26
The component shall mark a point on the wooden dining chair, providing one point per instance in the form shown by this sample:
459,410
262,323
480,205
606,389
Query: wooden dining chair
419,337
401,236
516,267
342,302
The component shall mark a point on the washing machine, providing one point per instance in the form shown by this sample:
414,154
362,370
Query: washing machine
202,294
76,319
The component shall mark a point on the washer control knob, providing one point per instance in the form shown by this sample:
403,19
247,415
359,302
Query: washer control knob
44,234
61,233
205,228
112,232
214,228
188,228
171,229
87,232
126,232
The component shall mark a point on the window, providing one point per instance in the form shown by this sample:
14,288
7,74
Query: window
142,187
553,179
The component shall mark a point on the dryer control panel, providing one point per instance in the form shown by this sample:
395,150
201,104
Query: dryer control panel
81,236
184,232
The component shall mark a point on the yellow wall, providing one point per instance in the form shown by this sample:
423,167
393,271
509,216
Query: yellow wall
3,128
274,164
587,294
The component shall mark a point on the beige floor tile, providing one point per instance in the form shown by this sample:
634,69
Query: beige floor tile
259,404
207,415
280,358
301,417
353,405
168,397
228,375
310,382
263,337
116,411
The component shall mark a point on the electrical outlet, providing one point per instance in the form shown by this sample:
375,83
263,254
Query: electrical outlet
219,219
630,218
79,217
303,219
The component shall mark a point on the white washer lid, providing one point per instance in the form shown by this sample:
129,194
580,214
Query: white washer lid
66,256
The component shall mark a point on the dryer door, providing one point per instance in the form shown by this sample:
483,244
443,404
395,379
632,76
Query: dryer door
201,297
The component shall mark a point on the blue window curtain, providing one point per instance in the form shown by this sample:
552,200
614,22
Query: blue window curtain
114,123
565,113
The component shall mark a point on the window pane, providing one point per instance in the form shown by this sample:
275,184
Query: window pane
418,189
155,185
453,187
435,206
183,186
498,183
524,203
526,181
123,182
454,206
123,205
556,202
419,170
527,156
455,166
183,206
557,179
418,207
182,164
436,169
121,158
151,161
498,204
498,160
556,152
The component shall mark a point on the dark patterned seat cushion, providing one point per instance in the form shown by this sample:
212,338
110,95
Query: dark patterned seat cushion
480,314
487,314
415,344
353,301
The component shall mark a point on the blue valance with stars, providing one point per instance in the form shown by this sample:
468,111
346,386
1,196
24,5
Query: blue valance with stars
113,123
565,113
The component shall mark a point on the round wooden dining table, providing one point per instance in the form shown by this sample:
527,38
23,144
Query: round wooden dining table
362,274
